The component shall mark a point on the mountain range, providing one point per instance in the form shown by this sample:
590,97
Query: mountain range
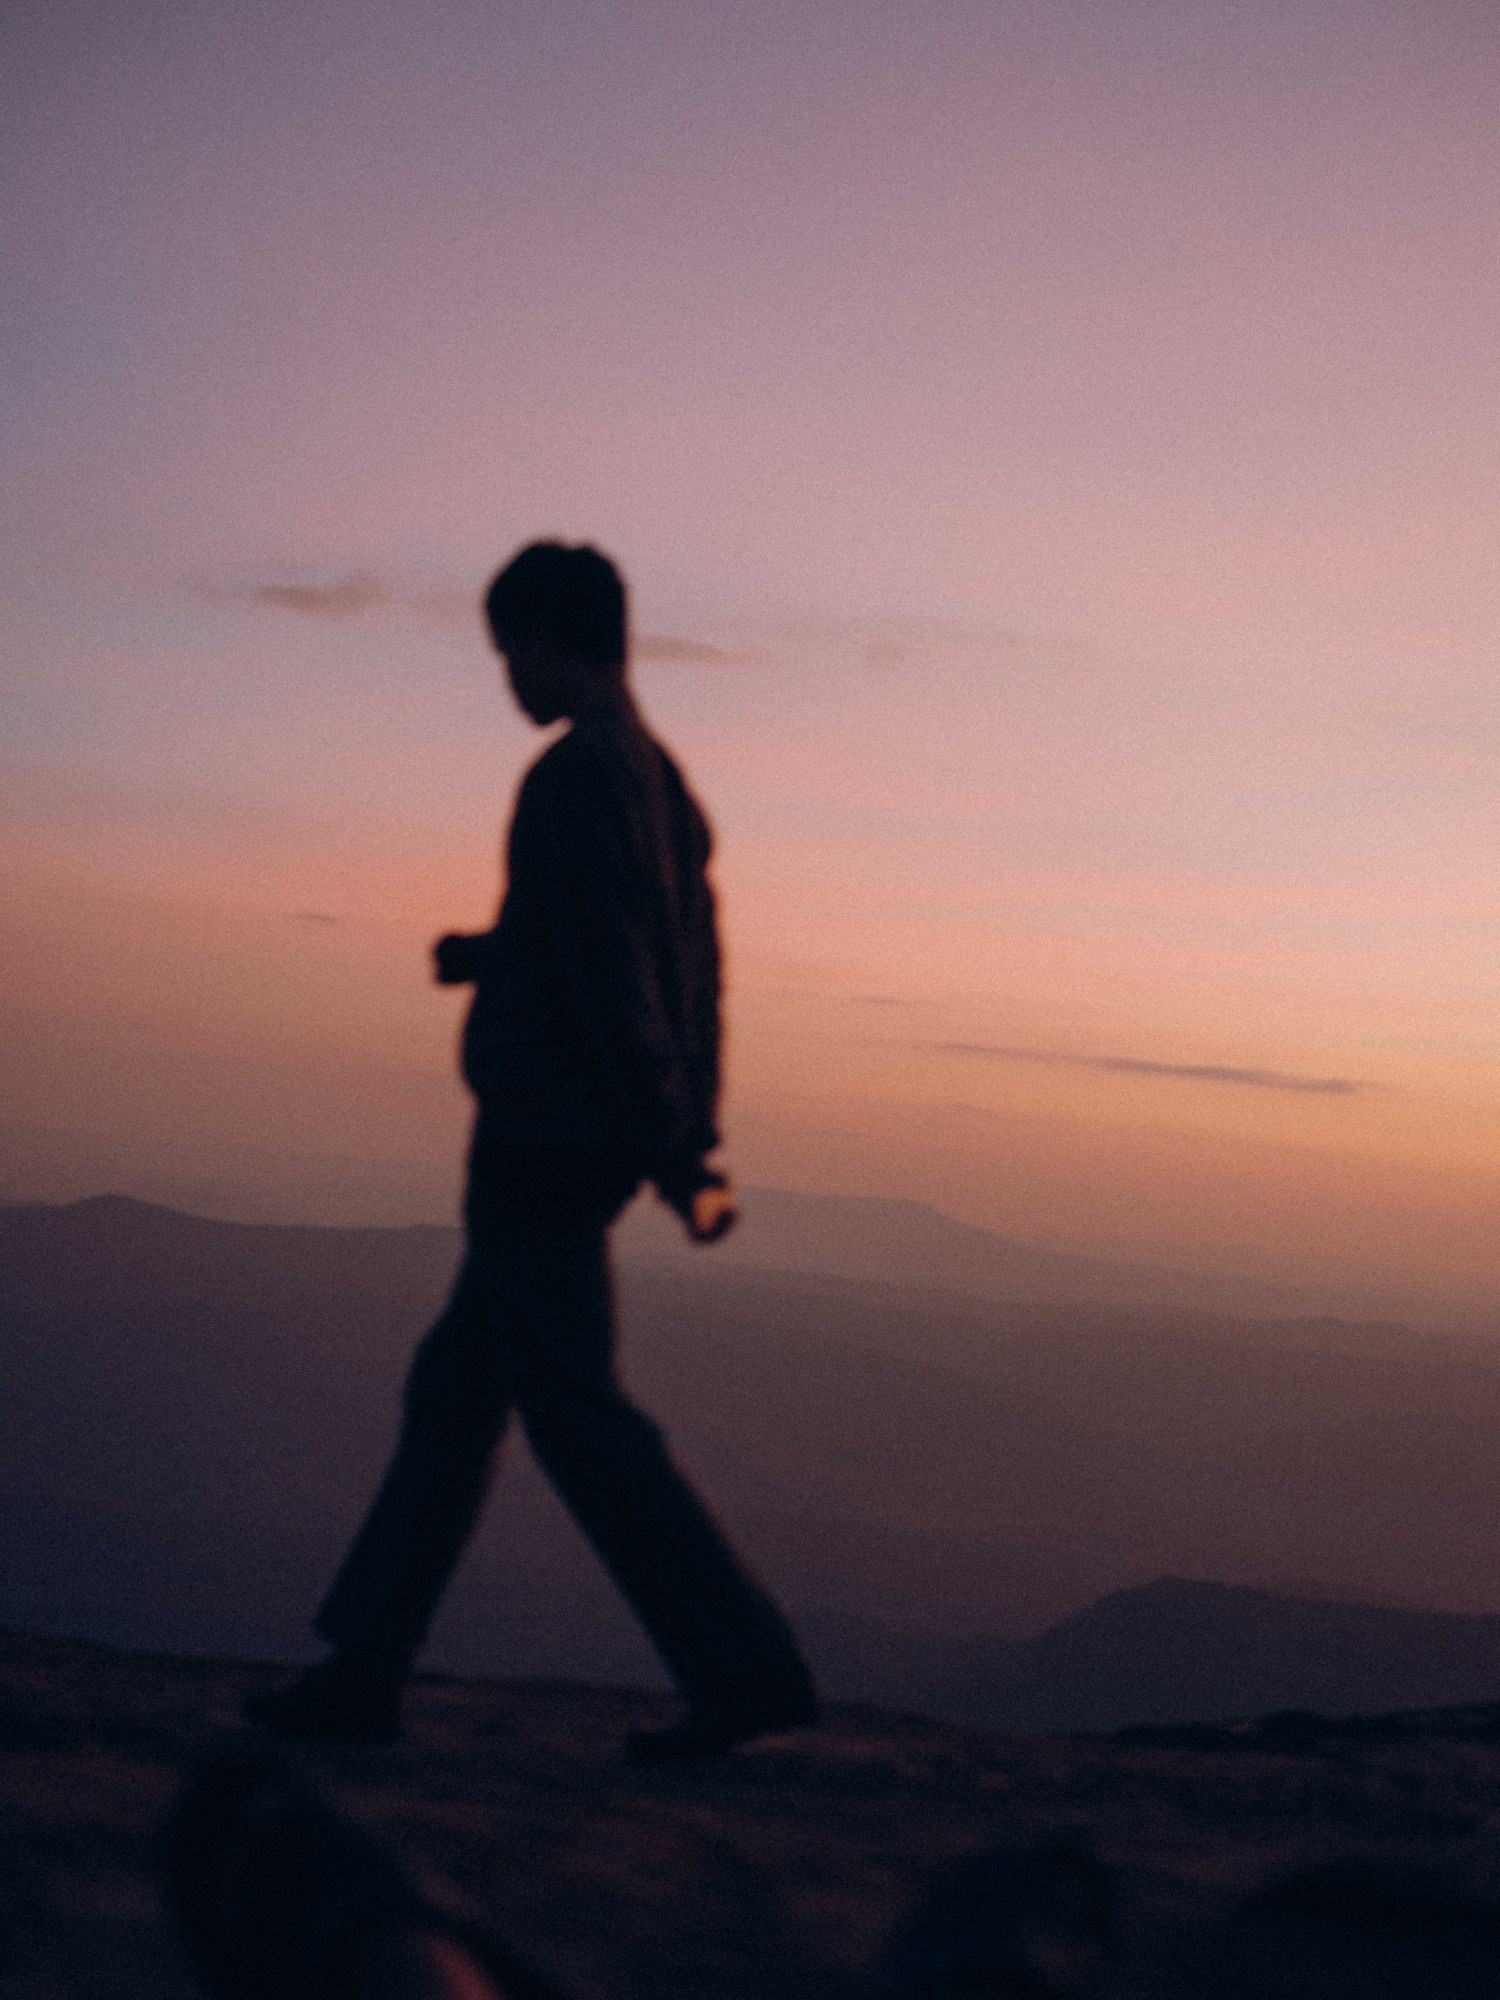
967,1501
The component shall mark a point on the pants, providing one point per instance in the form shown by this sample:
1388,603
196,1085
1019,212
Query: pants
530,1327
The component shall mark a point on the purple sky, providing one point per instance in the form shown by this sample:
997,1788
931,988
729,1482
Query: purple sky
1054,452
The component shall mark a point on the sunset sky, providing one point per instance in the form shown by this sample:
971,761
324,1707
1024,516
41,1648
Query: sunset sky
1054,449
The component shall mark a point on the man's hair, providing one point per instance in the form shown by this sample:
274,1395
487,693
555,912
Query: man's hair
576,593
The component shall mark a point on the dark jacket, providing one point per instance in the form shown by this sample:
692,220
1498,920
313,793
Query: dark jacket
595,1021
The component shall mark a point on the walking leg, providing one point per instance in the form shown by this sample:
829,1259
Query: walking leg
457,1400
382,1601
716,1628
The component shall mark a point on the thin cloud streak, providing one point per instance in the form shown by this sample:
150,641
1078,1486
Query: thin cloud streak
676,651
1253,1079
354,593
360,592
348,597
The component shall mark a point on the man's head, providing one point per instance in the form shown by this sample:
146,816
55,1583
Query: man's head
558,615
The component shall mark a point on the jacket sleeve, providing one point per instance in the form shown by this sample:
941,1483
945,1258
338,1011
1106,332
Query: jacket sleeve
701,978
600,907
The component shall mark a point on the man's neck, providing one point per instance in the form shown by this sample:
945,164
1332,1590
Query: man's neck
604,699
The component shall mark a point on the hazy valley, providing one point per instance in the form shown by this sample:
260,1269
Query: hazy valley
196,1412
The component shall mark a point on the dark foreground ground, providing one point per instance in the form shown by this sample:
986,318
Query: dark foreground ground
776,1871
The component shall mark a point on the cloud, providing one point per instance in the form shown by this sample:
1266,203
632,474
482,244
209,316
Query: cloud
903,642
308,591
876,1000
683,652
314,917
1253,1079
357,592
350,594
345,597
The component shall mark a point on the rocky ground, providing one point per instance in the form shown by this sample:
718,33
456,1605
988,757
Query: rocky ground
775,1871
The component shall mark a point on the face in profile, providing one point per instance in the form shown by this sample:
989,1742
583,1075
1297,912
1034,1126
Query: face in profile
534,670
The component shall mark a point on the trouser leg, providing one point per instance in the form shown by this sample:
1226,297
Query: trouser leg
457,1401
714,1626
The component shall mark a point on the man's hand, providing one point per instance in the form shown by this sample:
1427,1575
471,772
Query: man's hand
711,1213
455,959
704,1199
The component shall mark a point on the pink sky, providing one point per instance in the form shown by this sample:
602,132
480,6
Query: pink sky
1054,455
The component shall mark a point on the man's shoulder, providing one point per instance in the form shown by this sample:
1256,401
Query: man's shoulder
603,747
581,780
609,770
554,773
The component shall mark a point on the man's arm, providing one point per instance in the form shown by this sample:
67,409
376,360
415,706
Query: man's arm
701,1196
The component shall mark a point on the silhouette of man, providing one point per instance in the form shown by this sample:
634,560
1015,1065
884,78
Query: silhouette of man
592,1047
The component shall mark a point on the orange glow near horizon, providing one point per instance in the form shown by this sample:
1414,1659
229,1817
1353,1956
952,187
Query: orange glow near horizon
1052,453
1059,1104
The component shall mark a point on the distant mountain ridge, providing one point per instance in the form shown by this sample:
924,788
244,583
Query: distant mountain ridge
880,1240
195,1413
875,1239
1178,1651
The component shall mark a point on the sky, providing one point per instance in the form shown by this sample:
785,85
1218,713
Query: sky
1053,451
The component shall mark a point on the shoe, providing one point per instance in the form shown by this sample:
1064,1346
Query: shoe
707,1732
337,1701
